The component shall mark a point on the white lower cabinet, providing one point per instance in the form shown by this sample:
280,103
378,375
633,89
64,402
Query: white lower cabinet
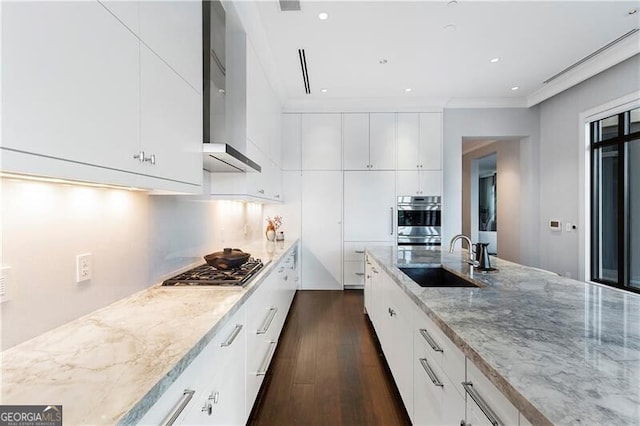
437,383
211,389
486,405
220,385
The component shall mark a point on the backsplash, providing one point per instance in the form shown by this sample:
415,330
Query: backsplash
135,240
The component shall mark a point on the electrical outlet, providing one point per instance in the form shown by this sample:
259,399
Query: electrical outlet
5,284
84,269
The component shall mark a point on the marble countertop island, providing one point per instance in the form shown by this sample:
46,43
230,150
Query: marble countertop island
562,351
110,366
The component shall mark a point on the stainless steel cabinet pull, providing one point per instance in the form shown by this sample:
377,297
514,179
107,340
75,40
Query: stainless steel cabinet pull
267,359
277,195
139,156
360,251
268,320
425,334
150,159
360,274
232,336
430,373
286,277
484,407
392,312
182,403
391,220
260,191
281,269
211,400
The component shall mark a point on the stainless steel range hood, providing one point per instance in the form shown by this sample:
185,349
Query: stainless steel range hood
222,157
218,157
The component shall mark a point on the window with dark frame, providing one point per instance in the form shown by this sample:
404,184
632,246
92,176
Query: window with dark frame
615,200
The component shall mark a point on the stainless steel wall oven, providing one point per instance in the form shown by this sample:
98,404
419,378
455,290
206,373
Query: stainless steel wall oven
419,221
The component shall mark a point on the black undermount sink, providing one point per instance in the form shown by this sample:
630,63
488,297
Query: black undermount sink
436,277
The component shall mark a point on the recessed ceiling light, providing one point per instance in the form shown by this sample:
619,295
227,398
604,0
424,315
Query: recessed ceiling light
323,16
632,11
408,89
452,3
383,61
515,88
323,90
449,28
494,60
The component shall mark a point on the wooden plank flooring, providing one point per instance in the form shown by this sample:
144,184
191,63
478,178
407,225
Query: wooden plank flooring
328,368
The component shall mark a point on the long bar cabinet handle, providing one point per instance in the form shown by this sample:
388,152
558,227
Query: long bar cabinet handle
179,407
425,334
268,320
267,359
484,407
430,372
232,336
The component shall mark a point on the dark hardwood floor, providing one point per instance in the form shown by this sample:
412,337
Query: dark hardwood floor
328,368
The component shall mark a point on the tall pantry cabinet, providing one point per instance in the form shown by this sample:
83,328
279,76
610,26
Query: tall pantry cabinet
342,174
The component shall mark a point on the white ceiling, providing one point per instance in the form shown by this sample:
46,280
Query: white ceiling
534,41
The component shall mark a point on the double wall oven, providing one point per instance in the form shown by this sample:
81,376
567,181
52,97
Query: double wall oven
419,221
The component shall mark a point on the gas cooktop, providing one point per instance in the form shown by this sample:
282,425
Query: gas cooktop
205,275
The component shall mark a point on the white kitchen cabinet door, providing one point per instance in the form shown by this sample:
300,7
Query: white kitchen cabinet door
69,84
408,141
171,122
355,141
173,30
368,288
321,250
369,206
262,110
382,141
321,136
291,157
485,390
436,401
419,182
354,274
430,141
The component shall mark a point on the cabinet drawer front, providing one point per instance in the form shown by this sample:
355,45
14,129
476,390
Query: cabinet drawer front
435,404
430,340
354,273
488,394
353,251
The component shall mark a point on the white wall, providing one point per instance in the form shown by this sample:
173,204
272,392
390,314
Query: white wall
136,241
498,123
562,183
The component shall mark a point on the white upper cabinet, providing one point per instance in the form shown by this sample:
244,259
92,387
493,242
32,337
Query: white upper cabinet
382,141
173,30
408,141
419,141
369,141
431,141
70,83
171,122
321,141
291,158
419,182
355,135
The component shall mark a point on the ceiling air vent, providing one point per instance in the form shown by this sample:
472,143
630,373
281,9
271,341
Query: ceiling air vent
305,73
597,52
289,5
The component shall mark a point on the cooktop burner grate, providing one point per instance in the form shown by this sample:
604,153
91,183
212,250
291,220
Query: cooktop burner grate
208,275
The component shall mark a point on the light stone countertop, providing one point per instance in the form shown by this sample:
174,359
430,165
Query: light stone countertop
110,366
562,351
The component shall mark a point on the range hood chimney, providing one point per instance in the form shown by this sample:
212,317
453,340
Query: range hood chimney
218,156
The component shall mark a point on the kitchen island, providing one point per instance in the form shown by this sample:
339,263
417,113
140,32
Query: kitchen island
112,365
561,351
